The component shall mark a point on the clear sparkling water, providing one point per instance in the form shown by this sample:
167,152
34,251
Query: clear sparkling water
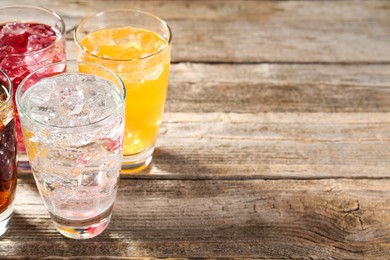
75,143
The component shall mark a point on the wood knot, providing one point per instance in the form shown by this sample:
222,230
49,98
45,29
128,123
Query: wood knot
351,216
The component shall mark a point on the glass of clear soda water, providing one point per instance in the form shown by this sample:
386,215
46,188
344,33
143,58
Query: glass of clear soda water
73,124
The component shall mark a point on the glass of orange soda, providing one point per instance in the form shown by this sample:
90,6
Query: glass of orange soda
137,46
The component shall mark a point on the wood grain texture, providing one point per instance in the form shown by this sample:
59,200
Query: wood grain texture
259,31
275,141
272,145
205,218
278,88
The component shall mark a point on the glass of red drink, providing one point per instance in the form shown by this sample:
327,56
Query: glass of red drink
30,37
7,152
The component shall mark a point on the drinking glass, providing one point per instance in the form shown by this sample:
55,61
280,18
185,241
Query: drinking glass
7,152
136,45
30,37
73,123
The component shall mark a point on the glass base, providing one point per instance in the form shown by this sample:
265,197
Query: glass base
81,229
137,162
5,218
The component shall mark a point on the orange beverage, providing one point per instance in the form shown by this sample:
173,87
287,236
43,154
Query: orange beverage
141,57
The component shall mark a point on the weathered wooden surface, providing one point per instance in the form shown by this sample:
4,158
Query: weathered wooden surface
205,88
225,218
273,145
275,141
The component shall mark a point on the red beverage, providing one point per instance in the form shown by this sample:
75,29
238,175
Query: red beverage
25,47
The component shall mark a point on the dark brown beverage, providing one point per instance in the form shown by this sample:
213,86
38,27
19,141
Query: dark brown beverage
7,164
7,153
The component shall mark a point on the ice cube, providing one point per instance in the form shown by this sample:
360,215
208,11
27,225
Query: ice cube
44,114
41,98
88,177
58,188
98,104
72,105
80,139
154,72
14,66
34,43
41,30
113,168
76,100
93,155
95,51
113,145
62,194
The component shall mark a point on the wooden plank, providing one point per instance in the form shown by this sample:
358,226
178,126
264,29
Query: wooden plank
278,88
259,31
272,145
346,219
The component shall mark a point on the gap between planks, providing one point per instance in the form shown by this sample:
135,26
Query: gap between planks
145,176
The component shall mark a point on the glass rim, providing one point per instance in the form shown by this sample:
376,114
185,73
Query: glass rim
62,32
82,48
9,90
65,63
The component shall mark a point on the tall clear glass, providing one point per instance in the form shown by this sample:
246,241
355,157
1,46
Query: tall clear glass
30,37
8,169
73,123
136,45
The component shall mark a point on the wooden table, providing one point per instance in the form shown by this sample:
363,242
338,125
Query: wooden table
277,141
